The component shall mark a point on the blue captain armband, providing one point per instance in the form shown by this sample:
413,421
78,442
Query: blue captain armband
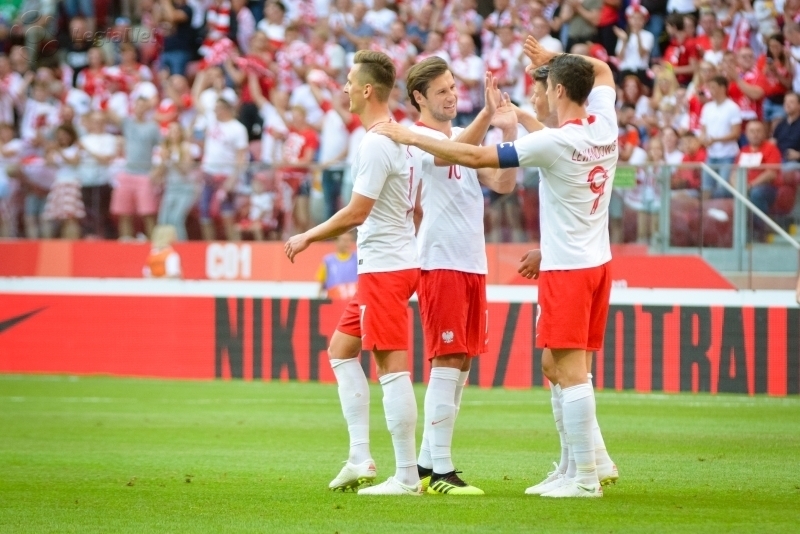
507,155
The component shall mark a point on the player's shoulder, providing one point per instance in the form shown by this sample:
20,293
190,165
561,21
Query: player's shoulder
376,147
426,130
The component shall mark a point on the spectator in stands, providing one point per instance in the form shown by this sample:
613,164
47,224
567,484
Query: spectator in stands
669,141
180,39
583,17
468,71
263,208
633,93
224,162
397,47
273,113
174,166
209,86
76,45
258,62
716,51
425,20
338,274
698,93
243,25
776,68
99,150
693,153
746,83
721,127
356,30
628,132
134,194
333,147
10,83
664,101
434,46
298,153
218,24
380,17
11,149
64,203
163,261
708,25
645,198
503,61
634,46
761,158
503,15
657,10
681,54
540,29
273,25
787,132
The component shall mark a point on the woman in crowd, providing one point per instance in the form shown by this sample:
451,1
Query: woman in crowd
174,165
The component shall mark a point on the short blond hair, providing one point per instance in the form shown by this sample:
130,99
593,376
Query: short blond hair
377,70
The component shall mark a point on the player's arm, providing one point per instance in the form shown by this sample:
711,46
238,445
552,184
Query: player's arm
470,156
527,120
502,181
344,220
539,56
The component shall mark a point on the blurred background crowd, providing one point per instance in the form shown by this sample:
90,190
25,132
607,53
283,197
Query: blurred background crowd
226,118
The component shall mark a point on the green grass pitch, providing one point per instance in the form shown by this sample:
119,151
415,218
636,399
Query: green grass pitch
124,455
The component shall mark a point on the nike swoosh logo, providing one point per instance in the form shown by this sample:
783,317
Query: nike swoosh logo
8,323
587,489
439,421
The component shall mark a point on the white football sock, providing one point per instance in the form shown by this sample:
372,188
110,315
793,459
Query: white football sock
424,460
463,376
558,415
600,452
440,415
579,411
354,396
400,408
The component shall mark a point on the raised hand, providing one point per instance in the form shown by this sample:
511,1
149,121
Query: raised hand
536,53
505,117
395,132
493,98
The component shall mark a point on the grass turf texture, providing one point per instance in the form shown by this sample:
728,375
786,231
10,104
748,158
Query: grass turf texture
125,455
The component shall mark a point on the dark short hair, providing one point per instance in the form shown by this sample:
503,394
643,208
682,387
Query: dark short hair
575,74
625,106
540,74
280,6
676,20
421,75
720,80
378,70
69,130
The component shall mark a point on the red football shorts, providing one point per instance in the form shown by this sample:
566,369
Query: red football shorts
455,317
378,313
573,308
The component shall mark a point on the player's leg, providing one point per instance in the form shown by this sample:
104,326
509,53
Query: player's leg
453,309
384,320
579,415
354,395
565,299
400,408
559,475
607,472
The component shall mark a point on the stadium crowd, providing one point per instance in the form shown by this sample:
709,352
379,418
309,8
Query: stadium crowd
226,119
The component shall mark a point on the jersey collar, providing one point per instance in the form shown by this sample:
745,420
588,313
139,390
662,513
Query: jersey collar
579,122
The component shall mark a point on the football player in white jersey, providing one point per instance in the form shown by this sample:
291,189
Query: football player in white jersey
607,472
382,206
577,162
450,238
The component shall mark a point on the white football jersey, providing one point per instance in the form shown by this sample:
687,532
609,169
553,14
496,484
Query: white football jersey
451,233
386,240
577,163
